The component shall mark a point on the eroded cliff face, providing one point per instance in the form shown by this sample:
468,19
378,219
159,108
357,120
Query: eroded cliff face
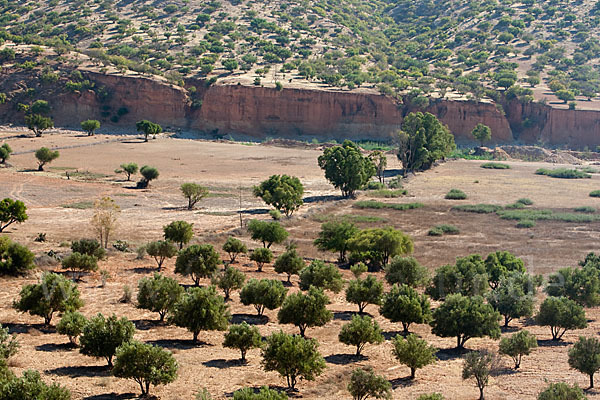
259,112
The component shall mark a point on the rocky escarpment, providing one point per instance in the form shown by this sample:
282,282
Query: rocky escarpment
260,112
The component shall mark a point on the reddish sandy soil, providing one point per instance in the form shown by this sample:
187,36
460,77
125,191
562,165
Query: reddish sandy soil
227,167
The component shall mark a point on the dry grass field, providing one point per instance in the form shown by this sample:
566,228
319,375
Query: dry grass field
60,207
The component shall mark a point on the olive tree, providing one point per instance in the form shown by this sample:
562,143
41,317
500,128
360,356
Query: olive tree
180,232
261,256
346,168
198,261
234,247
193,192
406,271
482,133
479,365
159,294
468,277
45,156
363,292
364,383
148,128
518,345
561,314
148,174
267,232
160,250
201,309
90,126
305,310
129,169
293,357
54,293
102,336
145,364
228,280
243,337
413,352
509,299
584,356
91,247
79,263
263,294
289,263
581,285
5,152
334,236
283,192
376,246
321,275
405,305
71,324
501,264
360,331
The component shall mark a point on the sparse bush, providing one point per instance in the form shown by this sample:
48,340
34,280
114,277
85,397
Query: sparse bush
160,250
363,292
243,337
71,324
561,391
494,165
525,224
29,386
405,305
201,309
413,352
518,345
479,365
15,259
595,193
8,344
198,261
234,247
364,383
104,220
90,247
179,232
561,314
263,294
45,156
585,209
159,294
432,396
455,194
53,294
359,332
102,336
261,256
80,263
321,275
478,208
148,174
293,357
127,295
444,229
228,280
305,310
264,394
564,173
193,192
145,364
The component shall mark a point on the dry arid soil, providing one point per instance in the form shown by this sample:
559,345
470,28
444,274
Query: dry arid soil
60,207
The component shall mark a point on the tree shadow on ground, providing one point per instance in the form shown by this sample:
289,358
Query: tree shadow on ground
508,329
223,364
52,347
451,354
344,359
391,173
390,335
144,270
81,371
322,199
26,328
112,396
251,319
179,344
256,211
552,343
402,382
146,324
344,315
505,371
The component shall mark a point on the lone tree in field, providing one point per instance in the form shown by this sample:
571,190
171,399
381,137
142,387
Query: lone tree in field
159,294
346,168
292,356
261,256
363,292
479,365
283,192
198,261
228,280
53,294
334,236
71,324
38,123
267,232
5,152
405,305
406,271
305,310
180,232
90,126
518,345
234,247
80,263
129,169
243,337
360,331
482,133
201,309
160,251
193,193
375,246
413,352
584,356
263,294
321,275
45,156
148,128
464,318
15,259
289,263
148,174
104,220
102,336
561,391
364,383
12,211
145,364
422,141
561,314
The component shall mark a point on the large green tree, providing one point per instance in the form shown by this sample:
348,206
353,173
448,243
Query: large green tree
346,168
263,294
405,305
377,245
159,294
102,336
12,211
198,261
148,128
305,310
561,314
334,236
422,141
283,192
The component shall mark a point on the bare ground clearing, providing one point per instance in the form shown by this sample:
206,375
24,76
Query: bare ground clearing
227,167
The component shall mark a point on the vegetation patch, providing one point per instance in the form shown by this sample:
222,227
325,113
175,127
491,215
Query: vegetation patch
388,193
478,208
377,205
443,229
585,209
456,194
526,224
563,173
495,165
81,205
595,193
352,218
547,215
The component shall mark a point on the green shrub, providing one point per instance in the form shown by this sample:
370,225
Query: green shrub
595,193
388,193
90,247
563,173
495,165
8,344
585,209
478,208
525,201
365,383
373,185
377,205
442,229
102,336
71,324
264,394
243,337
561,391
455,194
526,224
15,259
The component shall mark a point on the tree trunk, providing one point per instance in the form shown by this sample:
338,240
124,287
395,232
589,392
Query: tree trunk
412,373
195,339
243,356
458,343
591,381
40,167
481,397
506,321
